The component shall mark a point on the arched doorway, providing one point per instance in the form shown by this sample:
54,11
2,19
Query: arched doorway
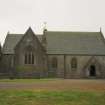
92,70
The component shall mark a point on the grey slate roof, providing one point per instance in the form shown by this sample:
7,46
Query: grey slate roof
11,41
87,43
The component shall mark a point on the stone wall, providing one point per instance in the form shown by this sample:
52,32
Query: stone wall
7,66
64,69
39,68
44,67
59,72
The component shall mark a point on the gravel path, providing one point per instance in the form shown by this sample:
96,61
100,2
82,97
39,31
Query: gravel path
58,84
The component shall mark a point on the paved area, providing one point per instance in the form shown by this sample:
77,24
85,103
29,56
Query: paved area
57,84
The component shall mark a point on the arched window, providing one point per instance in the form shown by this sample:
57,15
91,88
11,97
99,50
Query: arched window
74,63
26,59
29,55
29,58
54,62
32,58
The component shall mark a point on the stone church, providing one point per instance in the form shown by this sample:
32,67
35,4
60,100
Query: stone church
55,54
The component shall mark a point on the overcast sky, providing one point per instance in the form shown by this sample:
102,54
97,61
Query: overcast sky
71,15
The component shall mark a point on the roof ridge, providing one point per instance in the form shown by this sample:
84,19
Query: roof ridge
76,31
14,34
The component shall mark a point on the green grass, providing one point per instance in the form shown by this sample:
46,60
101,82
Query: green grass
22,97
48,97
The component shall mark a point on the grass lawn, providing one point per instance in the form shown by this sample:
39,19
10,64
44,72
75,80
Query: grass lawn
14,97
37,96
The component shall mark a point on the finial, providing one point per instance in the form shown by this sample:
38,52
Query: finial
100,29
8,32
45,24
44,28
